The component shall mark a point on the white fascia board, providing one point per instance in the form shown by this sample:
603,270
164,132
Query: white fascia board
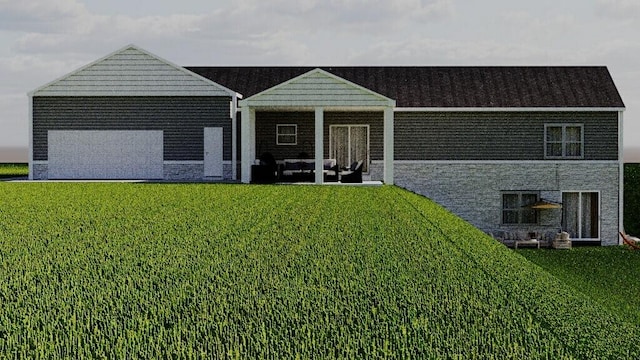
281,108
132,46
33,92
391,102
188,72
507,109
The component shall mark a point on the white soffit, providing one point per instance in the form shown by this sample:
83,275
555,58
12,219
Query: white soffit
132,71
318,88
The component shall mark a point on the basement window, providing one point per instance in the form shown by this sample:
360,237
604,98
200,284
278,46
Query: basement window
516,210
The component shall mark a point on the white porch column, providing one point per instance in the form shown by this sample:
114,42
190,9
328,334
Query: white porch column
234,137
247,132
388,146
319,148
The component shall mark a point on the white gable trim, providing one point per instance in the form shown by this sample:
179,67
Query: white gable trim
377,100
204,80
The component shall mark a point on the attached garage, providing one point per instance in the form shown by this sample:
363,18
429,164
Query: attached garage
132,115
104,154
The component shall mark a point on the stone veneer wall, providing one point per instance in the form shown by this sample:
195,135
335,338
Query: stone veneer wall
193,172
172,172
376,170
473,190
40,171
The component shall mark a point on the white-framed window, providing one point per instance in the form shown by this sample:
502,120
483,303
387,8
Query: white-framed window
563,141
515,208
581,214
286,134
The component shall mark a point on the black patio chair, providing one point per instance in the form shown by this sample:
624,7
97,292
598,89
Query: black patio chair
353,174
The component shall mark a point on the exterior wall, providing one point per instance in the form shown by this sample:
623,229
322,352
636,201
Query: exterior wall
497,135
473,190
182,119
266,132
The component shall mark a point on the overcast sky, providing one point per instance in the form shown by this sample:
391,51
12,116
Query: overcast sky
45,39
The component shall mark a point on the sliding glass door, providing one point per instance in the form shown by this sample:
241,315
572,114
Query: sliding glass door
581,214
349,143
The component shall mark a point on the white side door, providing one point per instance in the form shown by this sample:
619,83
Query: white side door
213,151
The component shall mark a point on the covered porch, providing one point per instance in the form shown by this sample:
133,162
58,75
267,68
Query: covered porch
321,117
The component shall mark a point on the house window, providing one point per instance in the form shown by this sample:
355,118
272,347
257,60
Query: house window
515,208
286,134
563,141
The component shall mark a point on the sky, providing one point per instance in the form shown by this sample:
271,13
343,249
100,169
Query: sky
42,40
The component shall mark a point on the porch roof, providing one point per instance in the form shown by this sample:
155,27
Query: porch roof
318,88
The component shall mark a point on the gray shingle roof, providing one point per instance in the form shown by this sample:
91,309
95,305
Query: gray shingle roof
416,86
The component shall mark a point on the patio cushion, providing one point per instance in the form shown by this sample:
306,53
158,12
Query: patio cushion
292,165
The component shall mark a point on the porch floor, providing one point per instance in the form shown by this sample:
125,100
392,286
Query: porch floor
333,183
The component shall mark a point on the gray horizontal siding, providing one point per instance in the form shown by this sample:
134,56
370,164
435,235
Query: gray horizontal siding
182,119
266,132
497,136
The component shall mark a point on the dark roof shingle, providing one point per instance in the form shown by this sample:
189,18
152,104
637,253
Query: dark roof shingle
416,86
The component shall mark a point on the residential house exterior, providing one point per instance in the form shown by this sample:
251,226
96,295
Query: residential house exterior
488,143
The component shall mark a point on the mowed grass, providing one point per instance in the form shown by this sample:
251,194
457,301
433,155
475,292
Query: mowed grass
13,170
609,275
229,271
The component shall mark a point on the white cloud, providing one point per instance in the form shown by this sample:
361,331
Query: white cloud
429,51
13,115
43,15
619,9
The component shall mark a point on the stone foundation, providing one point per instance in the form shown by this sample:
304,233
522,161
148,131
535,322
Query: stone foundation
40,171
171,172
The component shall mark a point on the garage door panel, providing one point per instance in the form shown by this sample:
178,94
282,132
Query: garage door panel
105,154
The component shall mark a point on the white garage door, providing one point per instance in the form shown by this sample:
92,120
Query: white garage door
105,154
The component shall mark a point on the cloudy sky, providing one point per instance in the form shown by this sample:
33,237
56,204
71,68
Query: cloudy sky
45,39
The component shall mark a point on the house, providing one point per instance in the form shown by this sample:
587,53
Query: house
510,149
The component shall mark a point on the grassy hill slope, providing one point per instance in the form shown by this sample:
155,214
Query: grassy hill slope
232,271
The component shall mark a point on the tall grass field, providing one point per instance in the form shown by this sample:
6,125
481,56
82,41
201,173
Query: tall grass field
13,170
122,270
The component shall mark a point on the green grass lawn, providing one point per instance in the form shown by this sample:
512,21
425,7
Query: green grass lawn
237,271
610,275
13,170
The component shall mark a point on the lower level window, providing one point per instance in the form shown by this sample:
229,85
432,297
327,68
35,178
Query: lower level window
515,208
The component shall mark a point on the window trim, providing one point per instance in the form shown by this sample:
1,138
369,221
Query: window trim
520,208
278,134
564,141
